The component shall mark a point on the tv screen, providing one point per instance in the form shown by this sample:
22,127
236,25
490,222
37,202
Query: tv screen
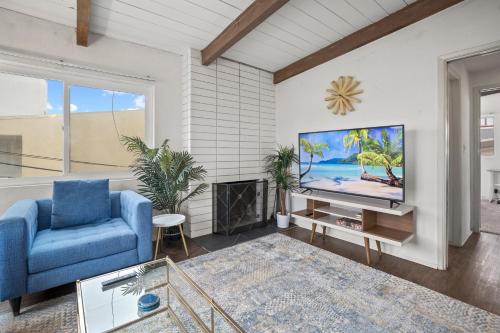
364,161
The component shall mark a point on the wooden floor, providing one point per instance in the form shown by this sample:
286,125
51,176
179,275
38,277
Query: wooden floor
473,275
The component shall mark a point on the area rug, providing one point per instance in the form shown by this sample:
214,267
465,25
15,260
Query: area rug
279,284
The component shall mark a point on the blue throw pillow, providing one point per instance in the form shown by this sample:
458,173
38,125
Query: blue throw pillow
77,202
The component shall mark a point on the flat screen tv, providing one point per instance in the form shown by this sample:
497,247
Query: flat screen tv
367,162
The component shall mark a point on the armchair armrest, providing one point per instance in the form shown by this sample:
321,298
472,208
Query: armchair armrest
18,227
137,211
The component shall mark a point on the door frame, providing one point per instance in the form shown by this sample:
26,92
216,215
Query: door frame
443,151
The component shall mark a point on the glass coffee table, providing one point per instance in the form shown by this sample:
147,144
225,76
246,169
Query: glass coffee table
184,306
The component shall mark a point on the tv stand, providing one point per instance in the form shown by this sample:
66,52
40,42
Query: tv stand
375,221
392,203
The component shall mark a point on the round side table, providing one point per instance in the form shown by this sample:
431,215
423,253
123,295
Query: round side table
169,220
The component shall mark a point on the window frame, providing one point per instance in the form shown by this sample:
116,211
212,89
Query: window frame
72,75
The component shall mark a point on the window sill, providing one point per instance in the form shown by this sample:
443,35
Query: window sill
41,181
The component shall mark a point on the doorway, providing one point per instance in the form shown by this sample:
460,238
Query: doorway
489,107
473,169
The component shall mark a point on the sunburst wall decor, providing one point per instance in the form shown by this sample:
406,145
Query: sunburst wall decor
341,95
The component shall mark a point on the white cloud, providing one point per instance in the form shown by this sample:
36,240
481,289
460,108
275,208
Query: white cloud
140,101
73,108
49,106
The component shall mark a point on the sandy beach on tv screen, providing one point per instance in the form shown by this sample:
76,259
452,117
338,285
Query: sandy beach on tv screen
361,187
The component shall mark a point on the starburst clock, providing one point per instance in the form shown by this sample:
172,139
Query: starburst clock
342,95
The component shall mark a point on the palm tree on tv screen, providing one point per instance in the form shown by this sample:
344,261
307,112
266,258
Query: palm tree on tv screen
313,150
386,153
357,138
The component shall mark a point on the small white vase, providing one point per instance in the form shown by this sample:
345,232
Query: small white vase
283,220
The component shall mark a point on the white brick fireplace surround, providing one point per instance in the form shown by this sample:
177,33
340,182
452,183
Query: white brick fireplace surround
228,126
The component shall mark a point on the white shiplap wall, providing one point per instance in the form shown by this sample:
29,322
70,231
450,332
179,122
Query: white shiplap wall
228,126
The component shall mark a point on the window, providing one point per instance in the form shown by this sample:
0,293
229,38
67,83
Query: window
58,127
98,120
31,126
487,134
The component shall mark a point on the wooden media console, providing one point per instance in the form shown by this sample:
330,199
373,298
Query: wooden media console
377,221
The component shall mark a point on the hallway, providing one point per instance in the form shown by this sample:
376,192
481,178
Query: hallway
490,217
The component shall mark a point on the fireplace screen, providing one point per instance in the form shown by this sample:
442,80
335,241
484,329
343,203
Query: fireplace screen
239,205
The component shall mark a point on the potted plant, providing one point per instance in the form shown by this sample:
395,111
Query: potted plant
278,165
164,175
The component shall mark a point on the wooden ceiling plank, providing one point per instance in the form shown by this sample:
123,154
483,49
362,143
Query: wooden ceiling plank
82,22
326,10
369,8
389,24
390,6
251,17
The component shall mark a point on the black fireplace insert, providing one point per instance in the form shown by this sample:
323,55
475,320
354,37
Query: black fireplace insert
239,206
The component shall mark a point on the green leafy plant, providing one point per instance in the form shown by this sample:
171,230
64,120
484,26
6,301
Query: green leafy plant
279,167
312,150
164,174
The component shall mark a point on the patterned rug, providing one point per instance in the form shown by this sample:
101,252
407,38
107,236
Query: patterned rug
279,284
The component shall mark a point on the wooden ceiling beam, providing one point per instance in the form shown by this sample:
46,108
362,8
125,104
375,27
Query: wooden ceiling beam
389,24
82,22
250,18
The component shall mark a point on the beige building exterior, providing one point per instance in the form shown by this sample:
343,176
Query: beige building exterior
36,142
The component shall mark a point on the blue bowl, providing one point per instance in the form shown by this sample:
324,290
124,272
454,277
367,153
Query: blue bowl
148,302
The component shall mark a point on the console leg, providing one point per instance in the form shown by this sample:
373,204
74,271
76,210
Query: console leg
15,304
379,249
367,250
324,232
313,231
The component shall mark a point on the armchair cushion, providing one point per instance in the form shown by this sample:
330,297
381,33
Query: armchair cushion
77,202
44,213
61,247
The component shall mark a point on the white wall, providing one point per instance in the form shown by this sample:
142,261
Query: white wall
459,151
399,75
26,34
22,96
229,126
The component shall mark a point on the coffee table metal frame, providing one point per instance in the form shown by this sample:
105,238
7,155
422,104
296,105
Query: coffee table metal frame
214,307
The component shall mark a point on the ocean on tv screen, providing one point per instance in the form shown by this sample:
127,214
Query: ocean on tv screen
364,161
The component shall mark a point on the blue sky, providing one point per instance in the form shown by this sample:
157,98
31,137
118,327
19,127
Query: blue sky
85,99
335,141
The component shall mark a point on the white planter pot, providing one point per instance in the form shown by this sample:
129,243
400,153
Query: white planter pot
283,220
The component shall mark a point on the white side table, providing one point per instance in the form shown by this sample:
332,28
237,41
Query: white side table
169,220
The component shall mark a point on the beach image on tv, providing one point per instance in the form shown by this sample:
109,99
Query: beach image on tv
365,162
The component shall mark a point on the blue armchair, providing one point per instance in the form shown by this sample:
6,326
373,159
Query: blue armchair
35,255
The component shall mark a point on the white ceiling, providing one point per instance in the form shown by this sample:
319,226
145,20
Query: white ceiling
482,63
294,31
